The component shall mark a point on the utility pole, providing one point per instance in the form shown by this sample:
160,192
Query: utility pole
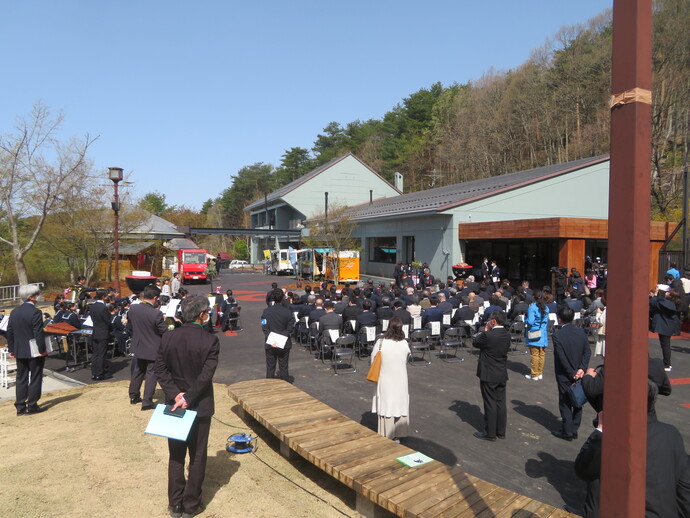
625,391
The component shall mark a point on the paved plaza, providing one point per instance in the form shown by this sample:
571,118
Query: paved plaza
446,405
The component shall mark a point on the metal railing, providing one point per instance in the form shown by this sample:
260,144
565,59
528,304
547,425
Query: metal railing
11,293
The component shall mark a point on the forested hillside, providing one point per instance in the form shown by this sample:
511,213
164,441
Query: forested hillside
551,109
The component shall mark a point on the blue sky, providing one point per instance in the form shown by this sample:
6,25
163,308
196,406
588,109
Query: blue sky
184,94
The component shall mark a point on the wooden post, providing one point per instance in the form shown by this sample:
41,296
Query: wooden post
625,392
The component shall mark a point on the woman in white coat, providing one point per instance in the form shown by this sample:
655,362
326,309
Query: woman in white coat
392,400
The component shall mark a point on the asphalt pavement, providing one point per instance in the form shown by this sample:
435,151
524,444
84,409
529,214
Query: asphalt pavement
446,405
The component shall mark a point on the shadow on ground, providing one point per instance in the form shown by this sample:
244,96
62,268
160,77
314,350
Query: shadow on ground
538,414
469,413
560,474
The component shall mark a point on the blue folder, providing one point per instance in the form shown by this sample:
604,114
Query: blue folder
169,426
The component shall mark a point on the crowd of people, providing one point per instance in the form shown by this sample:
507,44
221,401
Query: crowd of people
177,351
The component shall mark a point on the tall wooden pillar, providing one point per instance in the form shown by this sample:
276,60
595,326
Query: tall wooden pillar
625,389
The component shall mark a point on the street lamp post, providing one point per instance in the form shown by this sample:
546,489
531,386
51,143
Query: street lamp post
115,174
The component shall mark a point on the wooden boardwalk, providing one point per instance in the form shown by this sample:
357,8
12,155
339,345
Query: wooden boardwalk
365,461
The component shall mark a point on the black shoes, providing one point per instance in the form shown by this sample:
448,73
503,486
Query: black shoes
134,400
196,511
175,510
147,407
101,377
34,409
483,436
562,435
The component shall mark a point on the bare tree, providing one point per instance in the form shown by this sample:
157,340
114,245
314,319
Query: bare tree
36,170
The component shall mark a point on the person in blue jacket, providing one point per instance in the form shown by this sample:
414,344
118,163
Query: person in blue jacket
536,324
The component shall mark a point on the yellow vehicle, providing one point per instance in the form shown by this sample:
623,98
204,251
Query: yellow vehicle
322,263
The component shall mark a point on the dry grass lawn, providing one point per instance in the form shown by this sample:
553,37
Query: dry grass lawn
87,455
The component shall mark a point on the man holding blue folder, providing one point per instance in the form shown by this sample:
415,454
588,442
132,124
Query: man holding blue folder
186,363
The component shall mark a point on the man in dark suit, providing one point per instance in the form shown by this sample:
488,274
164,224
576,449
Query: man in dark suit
101,334
367,318
330,321
277,319
318,311
186,362
571,356
486,269
493,344
146,325
24,327
433,314
667,488
400,312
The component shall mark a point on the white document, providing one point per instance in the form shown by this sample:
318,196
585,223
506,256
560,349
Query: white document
3,323
88,322
435,328
335,334
371,333
446,319
417,322
276,340
384,325
33,347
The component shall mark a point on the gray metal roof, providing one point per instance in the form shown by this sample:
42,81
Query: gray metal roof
285,189
154,227
450,196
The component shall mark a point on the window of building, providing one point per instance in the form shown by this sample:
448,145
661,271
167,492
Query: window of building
382,249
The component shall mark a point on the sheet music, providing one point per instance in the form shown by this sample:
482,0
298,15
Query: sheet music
171,308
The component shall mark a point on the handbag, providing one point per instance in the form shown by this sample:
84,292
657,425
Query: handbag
576,394
375,369
534,335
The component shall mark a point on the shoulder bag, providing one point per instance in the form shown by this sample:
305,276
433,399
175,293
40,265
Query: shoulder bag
375,369
576,394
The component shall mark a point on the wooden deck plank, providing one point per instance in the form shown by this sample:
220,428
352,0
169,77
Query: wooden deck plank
496,506
474,490
457,484
365,461
398,497
517,505
380,484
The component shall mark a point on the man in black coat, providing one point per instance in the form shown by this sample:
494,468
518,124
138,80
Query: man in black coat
367,318
493,344
667,488
146,325
277,319
101,319
571,357
24,329
401,313
186,362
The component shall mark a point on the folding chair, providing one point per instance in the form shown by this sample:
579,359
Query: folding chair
435,333
452,339
517,334
314,336
366,337
419,342
343,354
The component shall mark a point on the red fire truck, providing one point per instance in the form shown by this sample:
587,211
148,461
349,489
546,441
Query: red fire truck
191,265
